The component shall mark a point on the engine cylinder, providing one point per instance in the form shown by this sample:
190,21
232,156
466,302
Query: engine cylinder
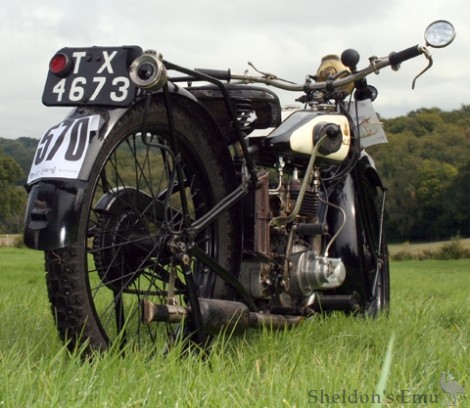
309,207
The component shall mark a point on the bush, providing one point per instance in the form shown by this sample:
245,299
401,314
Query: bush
19,243
402,256
11,240
450,250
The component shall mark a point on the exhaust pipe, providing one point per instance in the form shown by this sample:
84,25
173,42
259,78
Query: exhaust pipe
218,315
344,303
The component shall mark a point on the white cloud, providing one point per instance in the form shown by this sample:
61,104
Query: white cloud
287,38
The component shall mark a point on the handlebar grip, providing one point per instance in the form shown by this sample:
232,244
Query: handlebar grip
396,58
221,74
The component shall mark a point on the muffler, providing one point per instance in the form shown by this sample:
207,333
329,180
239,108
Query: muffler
217,315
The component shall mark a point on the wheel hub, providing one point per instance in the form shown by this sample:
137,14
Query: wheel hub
129,238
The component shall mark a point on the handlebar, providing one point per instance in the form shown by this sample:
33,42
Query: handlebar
396,58
221,74
438,34
375,65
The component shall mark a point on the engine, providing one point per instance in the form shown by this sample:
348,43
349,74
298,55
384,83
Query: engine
289,256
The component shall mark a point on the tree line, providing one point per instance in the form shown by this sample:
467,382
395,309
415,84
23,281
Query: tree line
425,167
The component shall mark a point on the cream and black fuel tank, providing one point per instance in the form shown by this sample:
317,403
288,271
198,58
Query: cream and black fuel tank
304,128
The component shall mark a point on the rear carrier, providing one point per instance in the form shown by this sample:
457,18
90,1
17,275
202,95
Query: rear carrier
255,107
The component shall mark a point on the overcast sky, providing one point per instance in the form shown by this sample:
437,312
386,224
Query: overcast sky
284,37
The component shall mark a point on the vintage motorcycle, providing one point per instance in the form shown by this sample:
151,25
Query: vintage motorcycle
174,203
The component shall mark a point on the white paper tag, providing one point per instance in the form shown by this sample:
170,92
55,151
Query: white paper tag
62,149
370,129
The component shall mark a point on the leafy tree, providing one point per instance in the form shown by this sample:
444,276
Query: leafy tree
424,121
13,197
457,207
425,166
22,151
398,166
433,180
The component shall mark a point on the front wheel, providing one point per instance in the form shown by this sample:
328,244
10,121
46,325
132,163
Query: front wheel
133,207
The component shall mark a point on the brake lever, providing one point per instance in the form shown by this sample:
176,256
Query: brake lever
428,55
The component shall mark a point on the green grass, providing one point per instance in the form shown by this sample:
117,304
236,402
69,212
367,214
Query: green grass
429,320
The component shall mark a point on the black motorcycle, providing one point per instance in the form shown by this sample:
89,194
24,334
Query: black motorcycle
174,203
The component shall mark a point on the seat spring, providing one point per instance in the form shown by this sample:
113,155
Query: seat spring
244,112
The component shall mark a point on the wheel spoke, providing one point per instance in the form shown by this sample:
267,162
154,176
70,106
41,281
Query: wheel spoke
119,314
134,208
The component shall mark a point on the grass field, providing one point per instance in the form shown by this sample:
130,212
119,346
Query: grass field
331,361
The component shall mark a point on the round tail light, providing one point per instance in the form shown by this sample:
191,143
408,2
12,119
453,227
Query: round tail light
60,64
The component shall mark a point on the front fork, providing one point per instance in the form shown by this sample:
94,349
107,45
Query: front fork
373,228
379,255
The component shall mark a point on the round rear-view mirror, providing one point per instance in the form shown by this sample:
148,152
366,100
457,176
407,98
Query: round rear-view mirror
439,34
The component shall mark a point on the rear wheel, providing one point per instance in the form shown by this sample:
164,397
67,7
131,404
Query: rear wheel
132,208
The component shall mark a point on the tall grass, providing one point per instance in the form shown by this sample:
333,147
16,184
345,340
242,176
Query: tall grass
331,360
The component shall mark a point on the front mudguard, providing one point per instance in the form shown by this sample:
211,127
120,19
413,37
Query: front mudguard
54,204
349,243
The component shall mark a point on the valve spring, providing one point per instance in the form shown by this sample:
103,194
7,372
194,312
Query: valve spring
244,110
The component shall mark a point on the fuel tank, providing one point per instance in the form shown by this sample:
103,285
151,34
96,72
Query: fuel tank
303,129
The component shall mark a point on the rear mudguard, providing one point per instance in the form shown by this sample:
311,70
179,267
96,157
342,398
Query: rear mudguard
349,244
54,203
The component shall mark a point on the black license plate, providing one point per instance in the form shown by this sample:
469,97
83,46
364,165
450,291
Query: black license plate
96,76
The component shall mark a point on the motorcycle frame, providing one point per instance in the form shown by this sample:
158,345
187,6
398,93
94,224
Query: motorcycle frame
53,224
